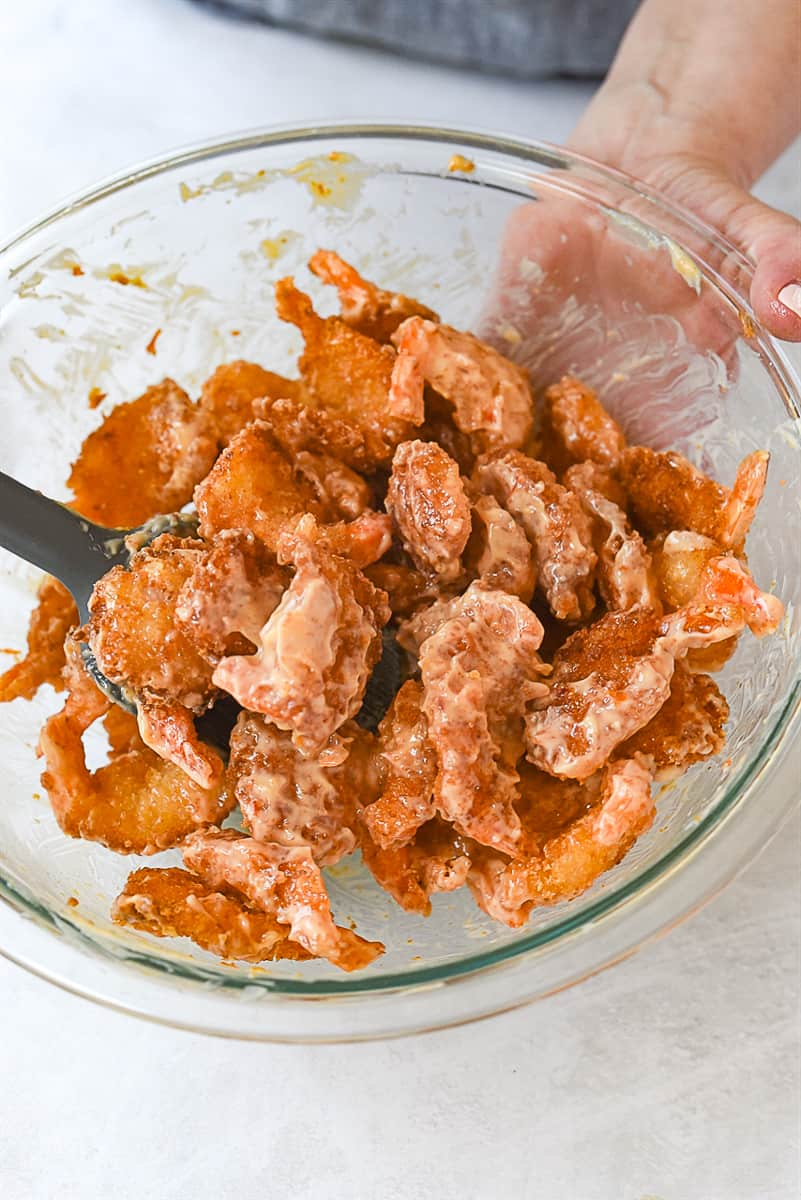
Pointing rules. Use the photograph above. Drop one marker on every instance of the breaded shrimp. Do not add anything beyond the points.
(407, 764)
(427, 502)
(625, 571)
(498, 551)
(479, 669)
(144, 459)
(577, 427)
(283, 882)
(571, 861)
(228, 395)
(667, 492)
(556, 525)
(368, 308)
(253, 486)
(289, 799)
(348, 375)
(317, 649)
(136, 804)
(437, 860)
(490, 395)
(50, 622)
(169, 902)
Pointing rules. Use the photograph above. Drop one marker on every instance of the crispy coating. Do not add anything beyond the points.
(169, 728)
(292, 800)
(625, 574)
(667, 492)
(169, 902)
(407, 589)
(441, 428)
(490, 395)
(498, 551)
(349, 375)
(228, 395)
(479, 669)
(408, 765)
(689, 726)
(133, 632)
(122, 731)
(144, 459)
(253, 486)
(609, 679)
(231, 591)
(283, 882)
(317, 649)
(339, 490)
(438, 860)
(428, 505)
(50, 622)
(300, 427)
(556, 525)
(571, 861)
(407, 395)
(368, 308)
(137, 803)
(577, 427)
(547, 805)
(363, 541)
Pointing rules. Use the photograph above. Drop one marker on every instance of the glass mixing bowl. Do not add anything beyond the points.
(600, 277)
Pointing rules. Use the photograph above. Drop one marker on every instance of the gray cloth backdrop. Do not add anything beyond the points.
(528, 38)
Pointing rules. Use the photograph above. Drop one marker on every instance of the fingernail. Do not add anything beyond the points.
(790, 297)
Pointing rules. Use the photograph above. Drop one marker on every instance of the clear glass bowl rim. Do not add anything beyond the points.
(615, 904)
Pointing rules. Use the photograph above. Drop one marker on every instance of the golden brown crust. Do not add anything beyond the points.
(53, 617)
(145, 458)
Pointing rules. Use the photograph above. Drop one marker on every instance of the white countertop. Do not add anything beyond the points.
(674, 1076)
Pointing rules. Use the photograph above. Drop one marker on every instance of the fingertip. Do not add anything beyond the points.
(776, 293)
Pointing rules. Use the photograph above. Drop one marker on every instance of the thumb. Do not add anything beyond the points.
(770, 239)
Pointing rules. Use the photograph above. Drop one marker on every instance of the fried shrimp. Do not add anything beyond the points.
(253, 486)
(437, 860)
(490, 395)
(479, 669)
(369, 309)
(667, 492)
(53, 617)
(228, 395)
(688, 728)
(556, 525)
(169, 902)
(428, 505)
(144, 459)
(317, 649)
(232, 589)
(570, 862)
(611, 678)
(407, 764)
(348, 374)
(577, 427)
(134, 635)
(292, 800)
(284, 882)
(625, 570)
(498, 551)
(136, 804)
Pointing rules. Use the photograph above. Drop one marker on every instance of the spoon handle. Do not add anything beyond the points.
(52, 537)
